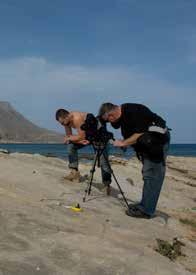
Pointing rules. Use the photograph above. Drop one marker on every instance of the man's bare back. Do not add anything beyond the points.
(77, 119)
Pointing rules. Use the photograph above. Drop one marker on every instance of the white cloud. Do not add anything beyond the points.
(37, 88)
(27, 76)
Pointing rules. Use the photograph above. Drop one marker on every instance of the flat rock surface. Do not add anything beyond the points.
(41, 234)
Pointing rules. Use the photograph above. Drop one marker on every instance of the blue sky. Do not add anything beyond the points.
(77, 54)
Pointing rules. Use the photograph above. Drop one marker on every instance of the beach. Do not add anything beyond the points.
(41, 234)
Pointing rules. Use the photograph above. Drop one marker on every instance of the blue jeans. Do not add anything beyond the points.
(153, 176)
(72, 150)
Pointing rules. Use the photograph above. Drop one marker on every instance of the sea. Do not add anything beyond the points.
(60, 150)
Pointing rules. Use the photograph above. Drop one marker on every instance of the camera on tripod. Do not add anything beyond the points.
(95, 130)
(97, 134)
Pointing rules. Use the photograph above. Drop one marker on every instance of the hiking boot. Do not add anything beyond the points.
(74, 175)
(137, 213)
(134, 206)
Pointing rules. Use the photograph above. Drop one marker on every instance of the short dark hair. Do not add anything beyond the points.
(61, 113)
(106, 107)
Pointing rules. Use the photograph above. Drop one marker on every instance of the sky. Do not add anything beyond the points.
(78, 54)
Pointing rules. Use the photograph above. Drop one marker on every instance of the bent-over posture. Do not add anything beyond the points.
(72, 120)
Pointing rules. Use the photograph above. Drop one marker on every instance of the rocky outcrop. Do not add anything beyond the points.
(40, 233)
(14, 127)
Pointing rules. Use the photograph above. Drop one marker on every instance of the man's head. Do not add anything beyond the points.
(110, 112)
(62, 116)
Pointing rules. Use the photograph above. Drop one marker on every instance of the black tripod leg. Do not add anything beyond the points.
(88, 189)
(122, 193)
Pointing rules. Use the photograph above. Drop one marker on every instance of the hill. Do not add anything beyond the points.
(14, 127)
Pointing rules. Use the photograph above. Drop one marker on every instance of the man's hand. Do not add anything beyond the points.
(118, 143)
(66, 139)
(129, 141)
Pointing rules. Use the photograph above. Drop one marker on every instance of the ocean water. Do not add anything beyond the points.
(60, 150)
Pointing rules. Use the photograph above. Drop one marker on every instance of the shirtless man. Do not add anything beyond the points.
(74, 120)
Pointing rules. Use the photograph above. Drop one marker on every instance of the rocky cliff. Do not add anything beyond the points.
(14, 127)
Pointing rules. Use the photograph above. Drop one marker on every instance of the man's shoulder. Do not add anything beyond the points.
(133, 107)
(77, 114)
(78, 118)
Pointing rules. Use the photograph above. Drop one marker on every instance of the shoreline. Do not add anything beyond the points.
(59, 150)
(86, 156)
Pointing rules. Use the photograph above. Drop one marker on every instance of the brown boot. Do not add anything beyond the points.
(74, 175)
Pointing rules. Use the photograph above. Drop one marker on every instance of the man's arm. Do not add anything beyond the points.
(79, 137)
(68, 131)
(129, 141)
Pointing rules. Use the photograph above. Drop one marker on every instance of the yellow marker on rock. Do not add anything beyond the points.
(76, 208)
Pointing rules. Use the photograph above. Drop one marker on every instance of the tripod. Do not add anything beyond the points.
(99, 148)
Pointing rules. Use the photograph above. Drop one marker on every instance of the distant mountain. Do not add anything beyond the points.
(14, 127)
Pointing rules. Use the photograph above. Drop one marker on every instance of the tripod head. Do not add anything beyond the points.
(99, 145)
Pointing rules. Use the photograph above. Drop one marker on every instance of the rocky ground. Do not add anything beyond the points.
(41, 234)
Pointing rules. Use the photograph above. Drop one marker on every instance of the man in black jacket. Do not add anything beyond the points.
(147, 133)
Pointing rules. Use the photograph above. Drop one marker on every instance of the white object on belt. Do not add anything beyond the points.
(157, 129)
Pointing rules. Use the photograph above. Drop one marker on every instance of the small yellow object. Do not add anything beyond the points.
(76, 208)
